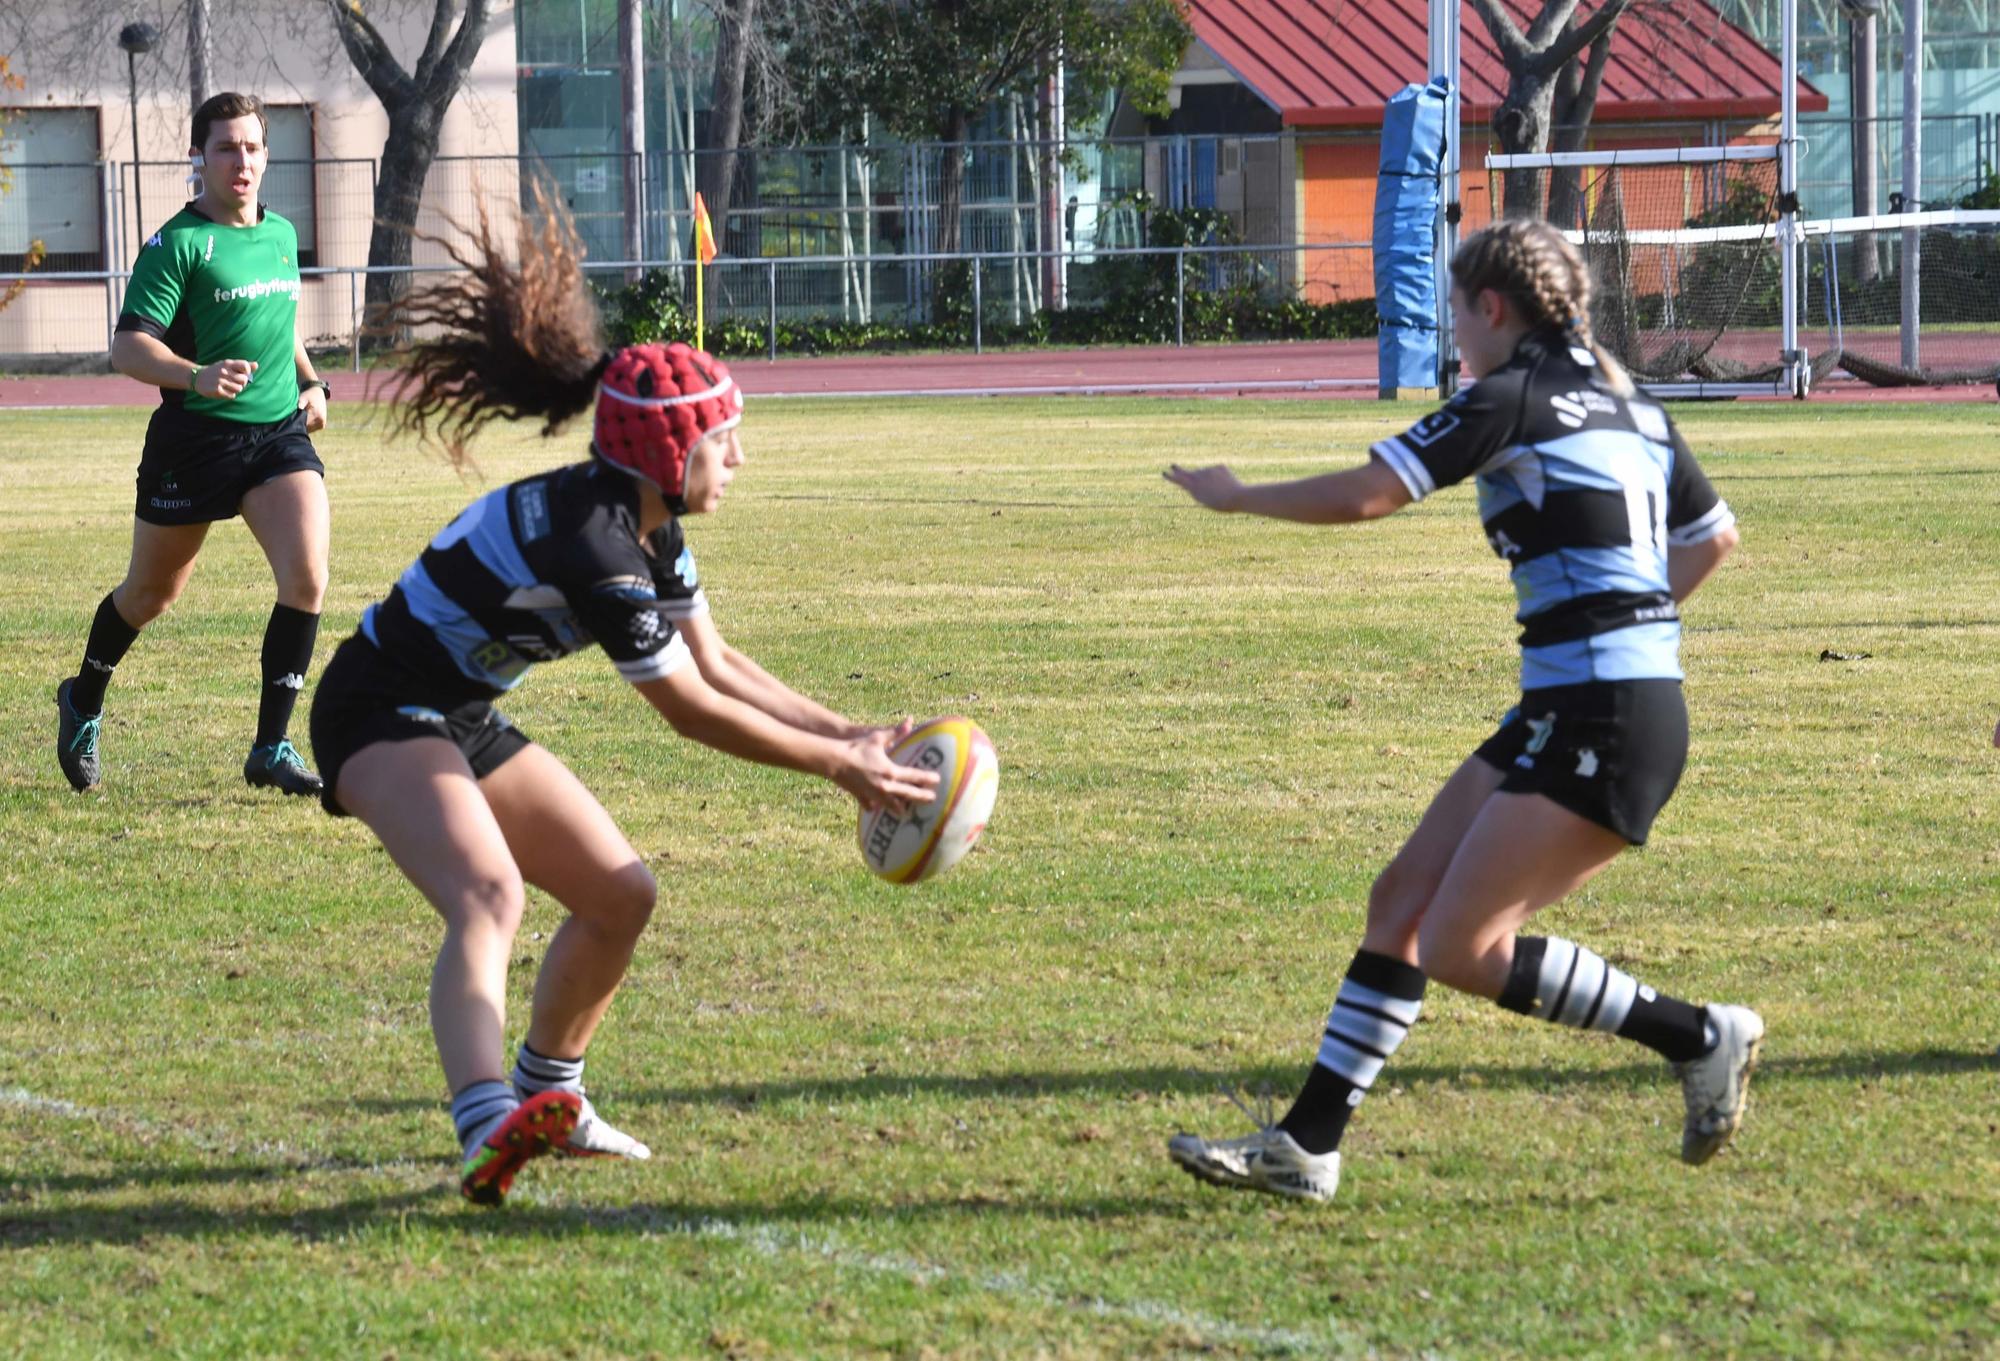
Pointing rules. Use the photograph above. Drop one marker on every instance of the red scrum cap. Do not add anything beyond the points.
(655, 403)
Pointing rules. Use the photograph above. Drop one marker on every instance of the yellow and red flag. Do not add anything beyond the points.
(704, 234)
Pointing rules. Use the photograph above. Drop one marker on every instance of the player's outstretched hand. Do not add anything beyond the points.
(1215, 487)
(876, 781)
(225, 378)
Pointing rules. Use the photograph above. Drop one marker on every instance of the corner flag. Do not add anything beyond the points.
(704, 254)
(704, 234)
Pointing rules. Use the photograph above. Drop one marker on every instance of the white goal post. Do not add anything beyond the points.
(1796, 374)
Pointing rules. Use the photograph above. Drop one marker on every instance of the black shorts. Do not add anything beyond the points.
(196, 468)
(362, 700)
(1610, 751)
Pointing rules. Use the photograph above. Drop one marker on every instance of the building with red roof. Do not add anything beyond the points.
(1319, 74)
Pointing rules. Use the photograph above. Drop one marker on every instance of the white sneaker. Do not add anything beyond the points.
(1268, 1160)
(596, 1137)
(1716, 1086)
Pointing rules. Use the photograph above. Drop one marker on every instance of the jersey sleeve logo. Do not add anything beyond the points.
(684, 568)
(1432, 428)
(649, 628)
(531, 511)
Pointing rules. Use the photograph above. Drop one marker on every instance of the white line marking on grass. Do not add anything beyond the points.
(775, 1241)
(122, 1122)
(770, 1240)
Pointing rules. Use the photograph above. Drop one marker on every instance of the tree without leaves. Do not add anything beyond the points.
(1544, 64)
(200, 53)
(415, 100)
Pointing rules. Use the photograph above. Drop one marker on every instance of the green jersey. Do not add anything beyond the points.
(219, 292)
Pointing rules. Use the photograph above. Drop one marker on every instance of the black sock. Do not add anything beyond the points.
(1378, 1003)
(110, 637)
(1675, 1030)
(1568, 984)
(288, 650)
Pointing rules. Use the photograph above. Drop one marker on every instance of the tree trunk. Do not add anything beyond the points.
(956, 128)
(1576, 104)
(406, 162)
(1521, 124)
(716, 175)
(632, 89)
(200, 52)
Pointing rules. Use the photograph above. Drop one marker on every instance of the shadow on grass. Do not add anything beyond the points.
(784, 1224)
(1280, 1079)
(778, 1224)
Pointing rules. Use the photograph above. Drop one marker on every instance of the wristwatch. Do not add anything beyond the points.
(319, 383)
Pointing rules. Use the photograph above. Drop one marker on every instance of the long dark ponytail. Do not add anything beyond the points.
(509, 340)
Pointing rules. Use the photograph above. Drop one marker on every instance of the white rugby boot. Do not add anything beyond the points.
(1268, 1160)
(596, 1137)
(1716, 1086)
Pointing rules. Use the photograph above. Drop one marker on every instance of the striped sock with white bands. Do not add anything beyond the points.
(1363, 1030)
(538, 1073)
(477, 1108)
(1568, 984)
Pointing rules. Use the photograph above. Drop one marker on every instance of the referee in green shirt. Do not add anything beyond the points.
(211, 319)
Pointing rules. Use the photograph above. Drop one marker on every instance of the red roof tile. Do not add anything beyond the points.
(1335, 63)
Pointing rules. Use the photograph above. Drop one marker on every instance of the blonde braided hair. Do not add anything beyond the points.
(1543, 278)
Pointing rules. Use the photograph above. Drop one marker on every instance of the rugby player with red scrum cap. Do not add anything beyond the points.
(404, 725)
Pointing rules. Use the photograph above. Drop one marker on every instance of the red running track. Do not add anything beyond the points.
(1323, 369)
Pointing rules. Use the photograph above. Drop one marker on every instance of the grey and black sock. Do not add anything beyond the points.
(480, 1106)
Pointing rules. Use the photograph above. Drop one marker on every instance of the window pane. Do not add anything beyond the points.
(288, 182)
(51, 155)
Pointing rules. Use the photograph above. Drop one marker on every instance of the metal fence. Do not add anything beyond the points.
(73, 312)
(845, 232)
(874, 200)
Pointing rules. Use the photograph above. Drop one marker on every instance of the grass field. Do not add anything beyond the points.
(931, 1122)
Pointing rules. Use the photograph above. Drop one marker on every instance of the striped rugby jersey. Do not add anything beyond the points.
(536, 570)
(1581, 491)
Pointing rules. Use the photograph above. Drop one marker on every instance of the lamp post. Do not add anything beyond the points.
(136, 38)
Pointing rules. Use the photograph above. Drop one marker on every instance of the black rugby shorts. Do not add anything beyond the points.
(196, 468)
(1609, 751)
(362, 700)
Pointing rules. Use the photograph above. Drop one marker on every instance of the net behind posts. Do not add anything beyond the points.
(1856, 285)
(1683, 256)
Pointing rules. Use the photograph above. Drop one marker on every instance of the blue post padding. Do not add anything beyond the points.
(1406, 207)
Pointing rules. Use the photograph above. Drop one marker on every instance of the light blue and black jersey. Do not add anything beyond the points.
(1582, 491)
(534, 571)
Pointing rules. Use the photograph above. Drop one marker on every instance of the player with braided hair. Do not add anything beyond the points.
(403, 722)
(1606, 522)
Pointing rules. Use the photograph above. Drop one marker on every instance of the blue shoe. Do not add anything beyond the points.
(76, 742)
(278, 765)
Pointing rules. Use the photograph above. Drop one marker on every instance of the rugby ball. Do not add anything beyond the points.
(931, 838)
